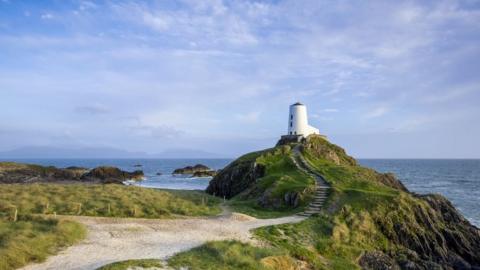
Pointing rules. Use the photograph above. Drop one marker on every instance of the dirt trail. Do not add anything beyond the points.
(112, 239)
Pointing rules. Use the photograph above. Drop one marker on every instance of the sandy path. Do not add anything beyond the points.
(110, 240)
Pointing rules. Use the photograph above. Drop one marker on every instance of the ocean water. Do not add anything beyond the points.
(458, 180)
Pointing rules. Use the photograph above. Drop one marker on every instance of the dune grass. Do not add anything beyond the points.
(27, 235)
(33, 238)
(129, 264)
(104, 200)
(228, 255)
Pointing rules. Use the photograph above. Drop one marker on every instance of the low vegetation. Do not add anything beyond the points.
(29, 233)
(230, 255)
(103, 200)
(33, 238)
(129, 264)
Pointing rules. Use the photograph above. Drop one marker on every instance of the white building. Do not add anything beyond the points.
(298, 121)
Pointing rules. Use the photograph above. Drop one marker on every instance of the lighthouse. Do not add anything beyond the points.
(298, 127)
(298, 121)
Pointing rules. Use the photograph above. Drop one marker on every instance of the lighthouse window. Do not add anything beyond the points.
(291, 124)
(291, 116)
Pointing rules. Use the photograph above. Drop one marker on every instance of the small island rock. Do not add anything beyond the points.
(192, 169)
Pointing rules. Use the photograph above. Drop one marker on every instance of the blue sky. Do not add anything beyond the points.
(380, 78)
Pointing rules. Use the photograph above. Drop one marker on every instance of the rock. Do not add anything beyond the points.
(204, 173)
(377, 260)
(192, 169)
(108, 174)
(11, 172)
(76, 172)
(137, 165)
(433, 234)
(390, 180)
(292, 198)
(238, 176)
(158, 173)
(267, 200)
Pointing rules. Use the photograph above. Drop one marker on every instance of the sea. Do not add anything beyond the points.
(456, 179)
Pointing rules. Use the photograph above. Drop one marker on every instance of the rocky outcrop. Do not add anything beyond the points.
(192, 169)
(389, 179)
(204, 173)
(290, 199)
(236, 177)
(429, 234)
(112, 175)
(11, 172)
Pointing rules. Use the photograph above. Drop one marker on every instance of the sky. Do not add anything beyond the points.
(383, 79)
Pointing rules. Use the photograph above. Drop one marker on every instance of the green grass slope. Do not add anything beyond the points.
(370, 221)
(32, 239)
(264, 184)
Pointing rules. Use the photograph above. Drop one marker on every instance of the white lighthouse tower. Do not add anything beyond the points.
(298, 121)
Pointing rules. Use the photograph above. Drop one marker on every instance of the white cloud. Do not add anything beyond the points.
(377, 112)
(158, 22)
(46, 16)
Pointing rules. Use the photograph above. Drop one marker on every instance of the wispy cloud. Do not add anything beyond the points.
(377, 112)
(46, 16)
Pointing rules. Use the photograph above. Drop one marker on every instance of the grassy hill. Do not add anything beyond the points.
(370, 220)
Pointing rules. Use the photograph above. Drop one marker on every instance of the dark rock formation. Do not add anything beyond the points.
(434, 236)
(267, 200)
(389, 179)
(377, 260)
(112, 175)
(192, 169)
(204, 173)
(137, 165)
(236, 177)
(158, 173)
(11, 172)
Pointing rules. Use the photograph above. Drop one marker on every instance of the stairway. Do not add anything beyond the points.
(321, 186)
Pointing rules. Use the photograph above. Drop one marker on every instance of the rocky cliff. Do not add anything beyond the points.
(237, 177)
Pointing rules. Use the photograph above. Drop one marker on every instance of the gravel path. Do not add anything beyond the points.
(110, 239)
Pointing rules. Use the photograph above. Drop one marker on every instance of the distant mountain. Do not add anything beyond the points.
(100, 152)
(57, 152)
